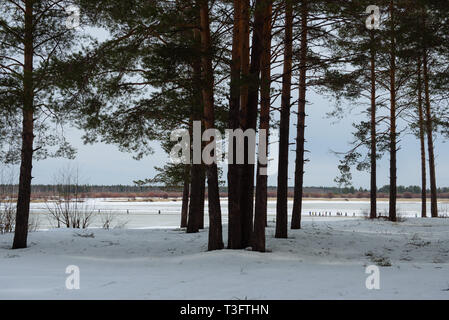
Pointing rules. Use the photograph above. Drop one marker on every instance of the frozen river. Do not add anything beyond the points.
(146, 214)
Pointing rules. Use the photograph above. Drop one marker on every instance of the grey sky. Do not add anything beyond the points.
(104, 164)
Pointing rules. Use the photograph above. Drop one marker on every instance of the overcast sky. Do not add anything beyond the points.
(104, 164)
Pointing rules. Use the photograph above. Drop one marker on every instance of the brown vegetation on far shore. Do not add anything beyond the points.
(174, 195)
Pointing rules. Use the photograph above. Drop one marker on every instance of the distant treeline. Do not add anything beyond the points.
(112, 191)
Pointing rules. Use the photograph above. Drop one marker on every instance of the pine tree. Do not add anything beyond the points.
(422, 141)
(32, 33)
(284, 132)
(356, 46)
(242, 175)
(300, 138)
(234, 213)
(260, 213)
(215, 227)
(426, 40)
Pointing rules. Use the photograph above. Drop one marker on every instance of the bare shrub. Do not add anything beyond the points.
(67, 207)
(7, 217)
(443, 211)
(106, 219)
(70, 213)
(33, 223)
(110, 220)
(8, 203)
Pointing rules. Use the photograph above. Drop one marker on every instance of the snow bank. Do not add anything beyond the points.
(327, 259)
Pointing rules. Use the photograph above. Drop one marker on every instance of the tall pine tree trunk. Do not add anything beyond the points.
(187, 174)
(215, 226)
(249, 117)
(203, 197)
(260, 214)
(23, 200)
(185, 196)
(245, 59)
(422, 145)
(234, 215)
(300, 137)
(430, 147)
(373, 153)
(393, 145)
(284, 127)
(196, 205)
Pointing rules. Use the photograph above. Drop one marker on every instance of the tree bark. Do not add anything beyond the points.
(26, 166)
(373, 154)
(300, 137)
(393, 147)
(193, 222)
(234, 215)
(185, 196)
(260, 215)
(196, 205)
(430, 147)
(249, 121)
(215, 226)
(203, 197)
(422, 145)
(284, 128)
(245, 59)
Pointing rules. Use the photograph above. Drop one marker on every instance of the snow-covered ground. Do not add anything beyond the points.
(327, 259)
